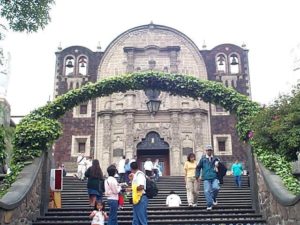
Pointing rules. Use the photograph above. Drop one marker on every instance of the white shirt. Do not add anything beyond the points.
(139, 178)
(173, 200)
(148, 165)
(210, 158)
(132, 160)
(98, 218)
(81, 160)
(121, 166)
(156, 166)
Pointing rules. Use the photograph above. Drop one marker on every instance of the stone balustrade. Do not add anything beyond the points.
(22, 203)
(277, 204)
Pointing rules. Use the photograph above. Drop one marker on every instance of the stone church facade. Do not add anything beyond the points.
(107, 128)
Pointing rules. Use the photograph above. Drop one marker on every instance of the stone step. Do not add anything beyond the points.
(234, 206)
(158, 217)
(245, 221)
(169, 210)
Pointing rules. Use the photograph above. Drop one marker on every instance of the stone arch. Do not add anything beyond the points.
(155, 139)
(153, 146)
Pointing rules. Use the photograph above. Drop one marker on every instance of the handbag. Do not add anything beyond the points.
(101, 185)
(121, 200)
(136, 195)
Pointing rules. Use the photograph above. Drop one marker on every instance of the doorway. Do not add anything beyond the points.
(154, 147)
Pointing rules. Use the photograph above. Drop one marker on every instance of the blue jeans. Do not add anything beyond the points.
(140, 212)
(113, 210)
(238, 181)
(211, 190)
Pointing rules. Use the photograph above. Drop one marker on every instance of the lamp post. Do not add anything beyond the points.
(153, 103)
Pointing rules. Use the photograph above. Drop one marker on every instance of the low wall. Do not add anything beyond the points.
(21, 204)
(278, 206)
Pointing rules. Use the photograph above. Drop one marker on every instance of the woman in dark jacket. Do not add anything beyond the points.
(95, 176)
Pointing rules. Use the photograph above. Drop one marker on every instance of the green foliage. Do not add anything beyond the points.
(39, 129)
(278, 164)
(277, 137)
(2, 145)
(277, 127)
(26, 15)
(36, 133)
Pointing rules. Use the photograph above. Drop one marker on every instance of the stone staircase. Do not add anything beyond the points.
(234, 206)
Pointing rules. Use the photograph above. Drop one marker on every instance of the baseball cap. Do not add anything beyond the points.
(208, 147)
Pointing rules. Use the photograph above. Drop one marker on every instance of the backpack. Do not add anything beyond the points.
(221, 172)
(151, 188)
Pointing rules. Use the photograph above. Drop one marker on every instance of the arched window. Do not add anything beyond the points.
(221, 63)
(82, 65)
(69, 65)
(234, 63)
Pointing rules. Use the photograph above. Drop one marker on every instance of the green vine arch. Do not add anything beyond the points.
(38, 130)
(182, 85)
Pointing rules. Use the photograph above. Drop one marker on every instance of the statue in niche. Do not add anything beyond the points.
(152, 64)
(187, 142)
(118, 143)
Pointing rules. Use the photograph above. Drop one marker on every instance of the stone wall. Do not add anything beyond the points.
(277, 205)
(21, 204)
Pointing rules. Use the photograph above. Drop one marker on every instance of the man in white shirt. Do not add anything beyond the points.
(81, 166)
(139, 209)
(173, 200)
(148, 167)
(121, 169)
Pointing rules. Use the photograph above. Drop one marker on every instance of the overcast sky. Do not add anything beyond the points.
(270, 29)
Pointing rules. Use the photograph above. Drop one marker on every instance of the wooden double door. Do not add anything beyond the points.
(154, 147)
(161, 154)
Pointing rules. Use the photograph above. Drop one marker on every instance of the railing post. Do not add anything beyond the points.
(253, 179)
(45, 182)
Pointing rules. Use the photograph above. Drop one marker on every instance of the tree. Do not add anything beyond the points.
(277, 127)
(25, 15)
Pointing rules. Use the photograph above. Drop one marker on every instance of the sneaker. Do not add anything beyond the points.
(190, 205)
(215, 202)
(209, 208)
(194, 205)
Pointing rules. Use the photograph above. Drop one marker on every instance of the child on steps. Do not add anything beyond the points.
(98, 215)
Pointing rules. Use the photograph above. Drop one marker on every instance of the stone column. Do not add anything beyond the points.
(175, 165)
(106, 144)
(198, 139)
(205, 129)
(129, 131)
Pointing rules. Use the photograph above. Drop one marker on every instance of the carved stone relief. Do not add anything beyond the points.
(129, 131)
(118, 143)
(175, 129)
(186, 119)
(107, 132)
(118, 120)
(142, 129)
(187, 142)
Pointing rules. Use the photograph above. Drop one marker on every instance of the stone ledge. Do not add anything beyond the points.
(19, 189)
(277, 188)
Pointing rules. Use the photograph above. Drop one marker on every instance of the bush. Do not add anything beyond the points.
(276, 137)
(277, 127)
